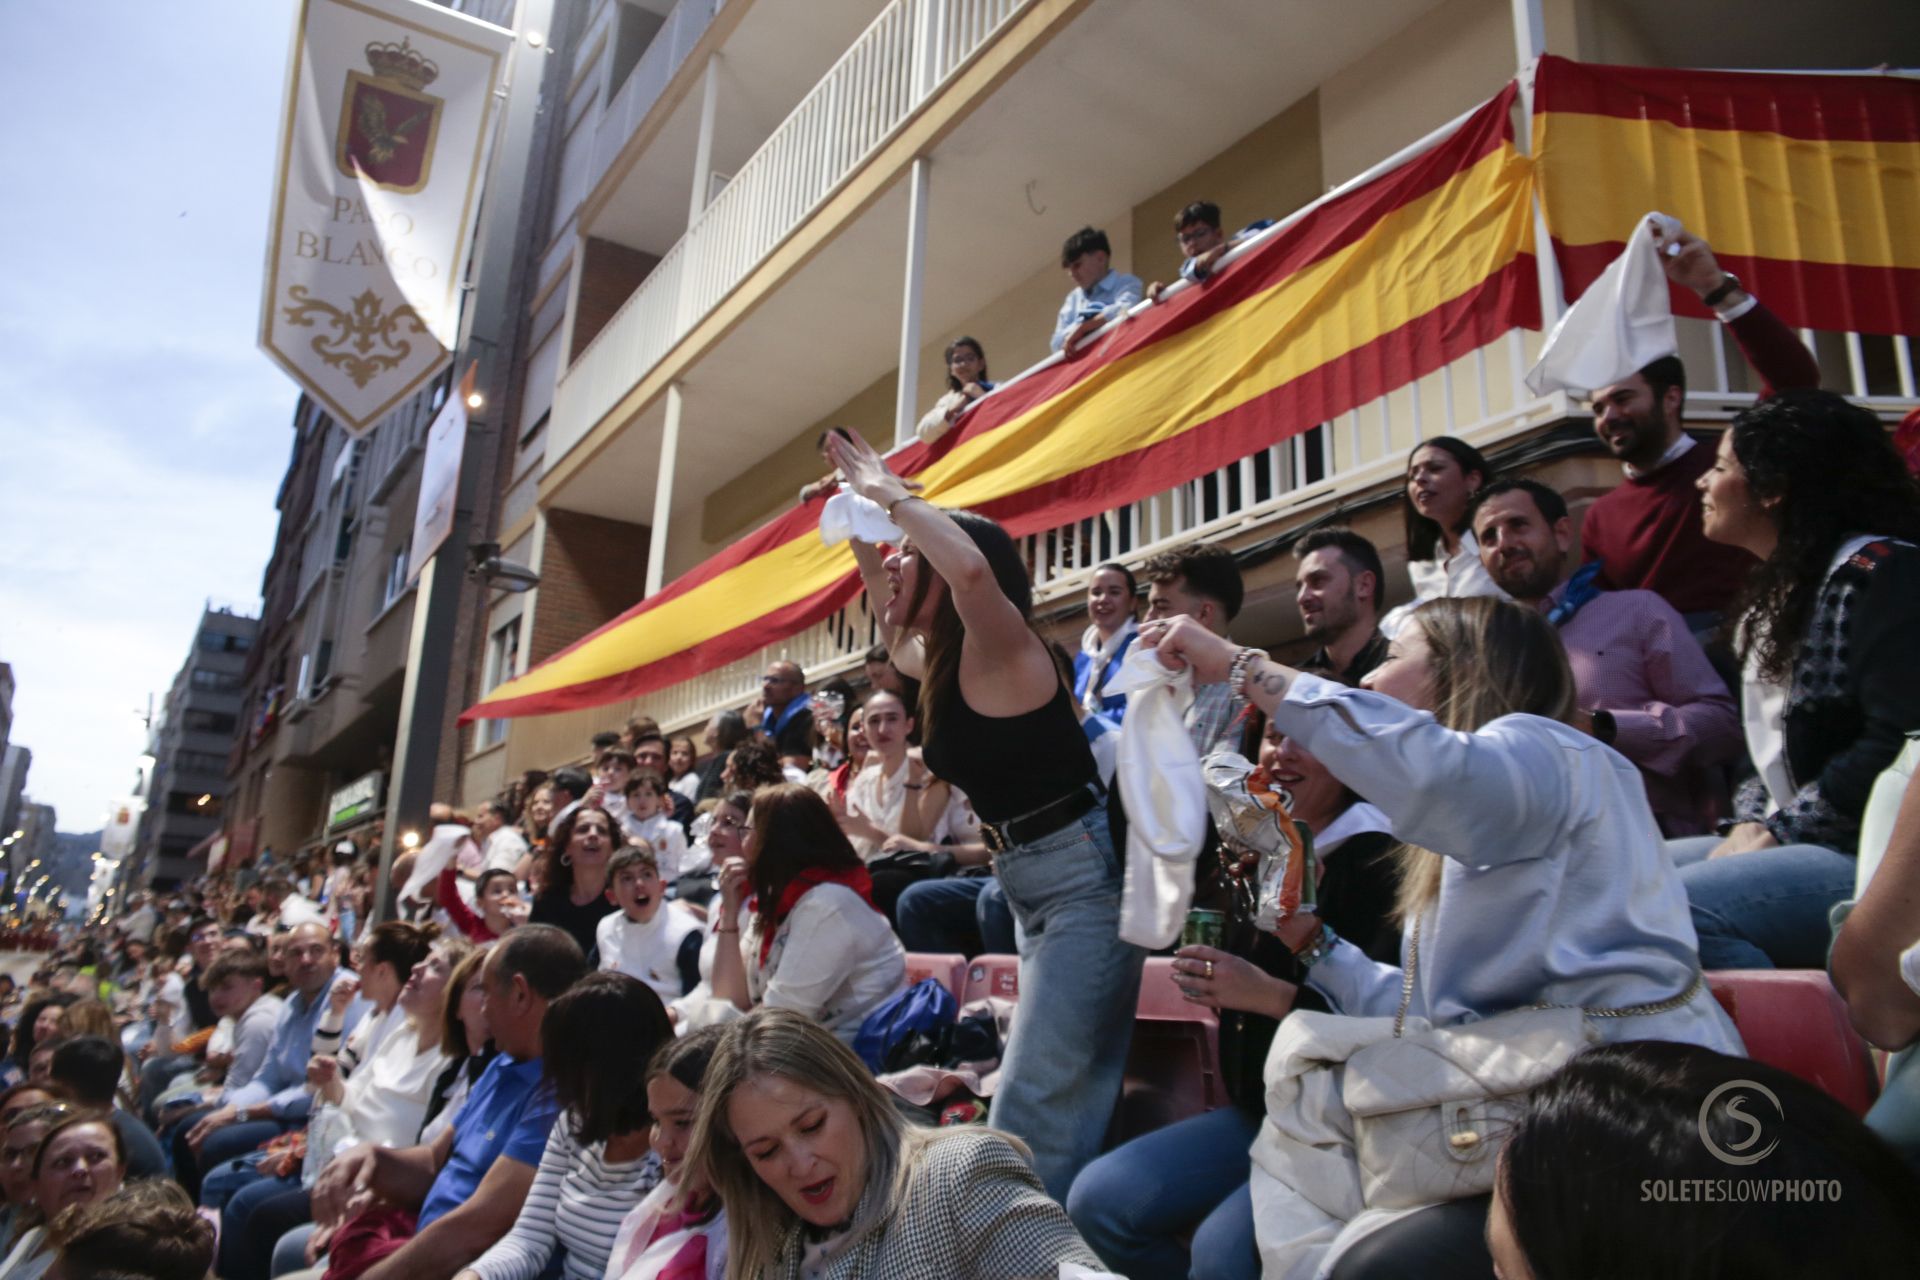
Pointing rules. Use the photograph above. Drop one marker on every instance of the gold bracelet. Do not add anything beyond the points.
(905, 497)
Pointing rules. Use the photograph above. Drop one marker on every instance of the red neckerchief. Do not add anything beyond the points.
(855, 879)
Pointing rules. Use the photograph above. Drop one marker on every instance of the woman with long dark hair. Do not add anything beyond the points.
(812, 939)
(998, 722)
(1443, 559)
(1825, 630)
(573, 893)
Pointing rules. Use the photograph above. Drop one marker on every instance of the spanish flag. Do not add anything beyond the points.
(1380, 285)
(1807, 186)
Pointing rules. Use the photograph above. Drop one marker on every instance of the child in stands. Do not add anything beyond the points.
(651, 939)
(649, 817)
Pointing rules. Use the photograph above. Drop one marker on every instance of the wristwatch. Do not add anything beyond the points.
(1604, 728)
(1729, 282)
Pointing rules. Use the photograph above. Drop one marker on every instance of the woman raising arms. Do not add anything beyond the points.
(998, 723)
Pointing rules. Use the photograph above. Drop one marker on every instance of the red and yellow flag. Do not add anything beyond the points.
(1368, 291)
(1807, 186)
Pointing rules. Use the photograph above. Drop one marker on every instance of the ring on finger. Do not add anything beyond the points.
(1209, 971)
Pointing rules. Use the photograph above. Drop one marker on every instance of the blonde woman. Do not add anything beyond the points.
(822, 1177)
(1534, 870)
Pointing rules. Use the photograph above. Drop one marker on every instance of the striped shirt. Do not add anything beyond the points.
(577, 1202)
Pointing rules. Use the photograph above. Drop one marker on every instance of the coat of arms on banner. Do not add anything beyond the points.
(387, 122)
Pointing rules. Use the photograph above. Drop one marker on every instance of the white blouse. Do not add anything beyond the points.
(1456, 575)
(834, 958)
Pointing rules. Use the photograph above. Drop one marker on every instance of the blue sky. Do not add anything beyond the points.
(142, 432)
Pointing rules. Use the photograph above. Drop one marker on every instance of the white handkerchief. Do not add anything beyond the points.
(1621, 324)
(848, 515)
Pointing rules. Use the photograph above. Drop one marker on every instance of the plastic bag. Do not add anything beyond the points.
(1255, 818)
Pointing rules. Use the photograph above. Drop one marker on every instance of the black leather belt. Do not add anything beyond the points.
(1047, 819)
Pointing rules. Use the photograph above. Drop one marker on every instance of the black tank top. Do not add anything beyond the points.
(1011, 765)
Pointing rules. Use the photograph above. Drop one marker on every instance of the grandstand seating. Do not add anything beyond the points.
(1790, 1019)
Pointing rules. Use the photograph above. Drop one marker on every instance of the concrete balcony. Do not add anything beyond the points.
(892, 69)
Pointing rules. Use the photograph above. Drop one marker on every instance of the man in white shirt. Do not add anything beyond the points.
(501, 844)
(287, 907)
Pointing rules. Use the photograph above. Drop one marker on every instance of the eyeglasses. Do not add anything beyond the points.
(1198, 231)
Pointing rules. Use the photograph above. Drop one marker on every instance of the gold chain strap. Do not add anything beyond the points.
(1627, 1011)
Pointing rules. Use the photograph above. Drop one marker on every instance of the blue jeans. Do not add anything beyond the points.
(255, 1218)
(1079, 990)
(959, 915)
(290, 1254)
(1766, 909)
(1135, 1204)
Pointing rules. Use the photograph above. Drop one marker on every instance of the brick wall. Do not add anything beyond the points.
(591, 570)
(609, 273)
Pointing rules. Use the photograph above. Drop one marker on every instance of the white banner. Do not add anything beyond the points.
(122, 825)
(389, 116)
(440, 477)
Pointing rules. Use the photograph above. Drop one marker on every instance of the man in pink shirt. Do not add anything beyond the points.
(1645, 686)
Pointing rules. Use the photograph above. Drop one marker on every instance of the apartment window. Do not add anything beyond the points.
(503, 662)
(396, 581)
(199, 762)
(223, 642)
(197, 804)
(219, 681)
(197, 721)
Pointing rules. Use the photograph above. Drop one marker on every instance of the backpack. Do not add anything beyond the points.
(920, 1015)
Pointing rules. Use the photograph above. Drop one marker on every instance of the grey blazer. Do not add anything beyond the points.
(974, 1209)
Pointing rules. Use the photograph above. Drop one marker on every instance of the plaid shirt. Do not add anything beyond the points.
(974, 1208)
(1214, 720)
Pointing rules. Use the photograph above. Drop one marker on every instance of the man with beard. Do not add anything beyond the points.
(1645, 686)
(1338, 594)
(1646, 533)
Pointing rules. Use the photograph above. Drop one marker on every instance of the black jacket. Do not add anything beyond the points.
(1853, 699)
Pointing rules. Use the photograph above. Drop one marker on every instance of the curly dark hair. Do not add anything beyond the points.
(559, 870)
(1826, 469)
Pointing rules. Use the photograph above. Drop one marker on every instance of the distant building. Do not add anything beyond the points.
(192, 740)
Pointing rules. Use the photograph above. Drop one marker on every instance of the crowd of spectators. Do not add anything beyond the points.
(619, 1026)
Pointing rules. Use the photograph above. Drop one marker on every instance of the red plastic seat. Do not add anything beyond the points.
(950, 971)
(1793, 1019)
(1173, 1066)
(992, 975)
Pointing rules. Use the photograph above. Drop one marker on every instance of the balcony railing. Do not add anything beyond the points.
(1480, 398)
(895, 66)
(648, 79)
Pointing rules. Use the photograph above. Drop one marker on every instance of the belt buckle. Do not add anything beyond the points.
(993, 838)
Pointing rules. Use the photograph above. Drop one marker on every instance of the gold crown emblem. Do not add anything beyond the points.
(402, 63)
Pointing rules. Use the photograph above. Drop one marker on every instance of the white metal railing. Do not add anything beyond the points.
(647, 80)
(1481, 398)
(896, 65)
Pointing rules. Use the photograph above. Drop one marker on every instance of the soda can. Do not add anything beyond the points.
(1204, 928)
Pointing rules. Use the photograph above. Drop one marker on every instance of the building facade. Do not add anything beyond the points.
(191, 739)
(767, 219)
